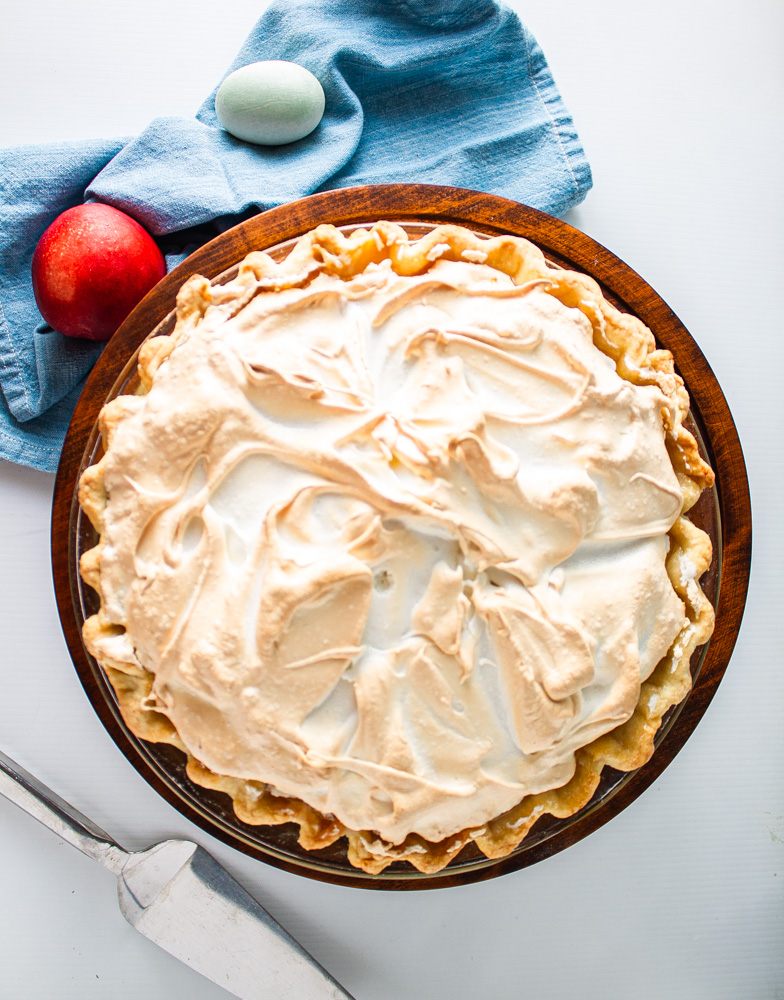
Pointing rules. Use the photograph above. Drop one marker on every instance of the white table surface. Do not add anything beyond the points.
(679, 105)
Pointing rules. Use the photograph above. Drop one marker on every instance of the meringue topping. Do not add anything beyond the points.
(393, 545)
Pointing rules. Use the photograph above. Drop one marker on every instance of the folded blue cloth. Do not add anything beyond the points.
(438, 91)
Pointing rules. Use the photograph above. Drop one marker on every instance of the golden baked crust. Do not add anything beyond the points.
(621, 337)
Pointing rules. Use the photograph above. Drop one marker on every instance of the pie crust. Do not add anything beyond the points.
(617, 335)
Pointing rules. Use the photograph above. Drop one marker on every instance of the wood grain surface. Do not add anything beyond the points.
(724, 512)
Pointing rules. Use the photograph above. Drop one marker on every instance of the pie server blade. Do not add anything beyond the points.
(178, 896)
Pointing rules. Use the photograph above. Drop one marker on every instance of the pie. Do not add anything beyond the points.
(393, 541)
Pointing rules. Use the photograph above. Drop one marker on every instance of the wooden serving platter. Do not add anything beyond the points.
(724, 512)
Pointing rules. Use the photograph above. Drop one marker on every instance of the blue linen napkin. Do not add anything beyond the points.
(438, 91)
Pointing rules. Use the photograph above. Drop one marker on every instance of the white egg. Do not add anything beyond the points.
(270, 103)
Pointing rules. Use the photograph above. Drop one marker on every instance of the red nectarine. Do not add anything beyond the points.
(91, 267)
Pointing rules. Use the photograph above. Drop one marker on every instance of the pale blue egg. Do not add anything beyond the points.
(270, 103)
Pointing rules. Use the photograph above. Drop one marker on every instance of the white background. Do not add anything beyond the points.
(679, 105)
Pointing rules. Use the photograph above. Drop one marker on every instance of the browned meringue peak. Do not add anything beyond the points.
(393, 545)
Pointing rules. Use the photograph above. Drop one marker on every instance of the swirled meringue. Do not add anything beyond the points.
(393, 545)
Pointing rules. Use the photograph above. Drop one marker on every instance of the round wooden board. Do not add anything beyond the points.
(727, 509)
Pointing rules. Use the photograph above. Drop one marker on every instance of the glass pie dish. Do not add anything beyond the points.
(722, 512)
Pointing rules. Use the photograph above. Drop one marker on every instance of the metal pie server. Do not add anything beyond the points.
(178, 896)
